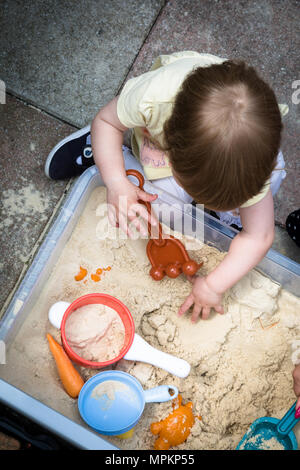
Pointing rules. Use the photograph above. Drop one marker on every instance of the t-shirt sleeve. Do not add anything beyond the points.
(132, 108)
(258, 197)
(147, 100)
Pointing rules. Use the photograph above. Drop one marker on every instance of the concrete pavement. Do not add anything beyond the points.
(62, 60)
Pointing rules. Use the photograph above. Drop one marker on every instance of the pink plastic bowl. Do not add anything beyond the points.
(111, 302)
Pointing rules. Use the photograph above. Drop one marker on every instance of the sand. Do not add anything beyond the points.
(241, 366)
(258, 443)
(106, 391)
(95, 332)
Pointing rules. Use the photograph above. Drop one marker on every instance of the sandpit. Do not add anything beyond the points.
(241, 365)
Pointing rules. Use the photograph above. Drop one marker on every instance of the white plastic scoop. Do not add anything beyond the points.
(140, 350)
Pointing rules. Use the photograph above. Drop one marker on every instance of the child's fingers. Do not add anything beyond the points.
(140, 210)
(219, 309)
(186, 305)
(134, 220)
(112, 218)
(196, 312)
(147, 197)
(205, 313)
(139, 226)
(123, 225)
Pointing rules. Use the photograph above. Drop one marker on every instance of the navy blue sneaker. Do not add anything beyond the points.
(293, 226)
(71, 156)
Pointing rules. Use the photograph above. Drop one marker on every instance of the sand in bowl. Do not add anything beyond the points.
(95, 332)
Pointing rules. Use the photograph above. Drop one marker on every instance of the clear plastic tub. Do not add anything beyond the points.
(278, 267)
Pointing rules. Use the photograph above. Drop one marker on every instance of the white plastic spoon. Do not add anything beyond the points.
(140, 350)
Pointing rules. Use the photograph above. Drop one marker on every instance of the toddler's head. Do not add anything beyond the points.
(223, 135)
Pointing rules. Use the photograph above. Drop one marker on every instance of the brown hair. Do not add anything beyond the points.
(223, 134)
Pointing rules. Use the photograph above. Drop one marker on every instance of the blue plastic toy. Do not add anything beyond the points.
(112, 402)
(263, 430)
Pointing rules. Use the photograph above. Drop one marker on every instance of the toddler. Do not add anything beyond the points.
(203, 128)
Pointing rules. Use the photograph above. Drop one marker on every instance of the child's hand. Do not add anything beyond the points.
(296, 377)
(203, 298)
(123, 206)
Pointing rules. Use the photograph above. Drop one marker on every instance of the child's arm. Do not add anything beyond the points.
(107, 139)
(249, 247)
(296, 378)
(245, 252)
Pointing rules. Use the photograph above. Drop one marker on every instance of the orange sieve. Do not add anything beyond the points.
(109, 301)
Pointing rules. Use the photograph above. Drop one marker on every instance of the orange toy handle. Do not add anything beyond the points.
(139, 177)
(141, 181)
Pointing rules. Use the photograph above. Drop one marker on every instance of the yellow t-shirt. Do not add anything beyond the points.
(146, 102)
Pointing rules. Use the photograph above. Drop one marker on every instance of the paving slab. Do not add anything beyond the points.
(27, 197)
(264, 33)
(27, 135)
(69, 58)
